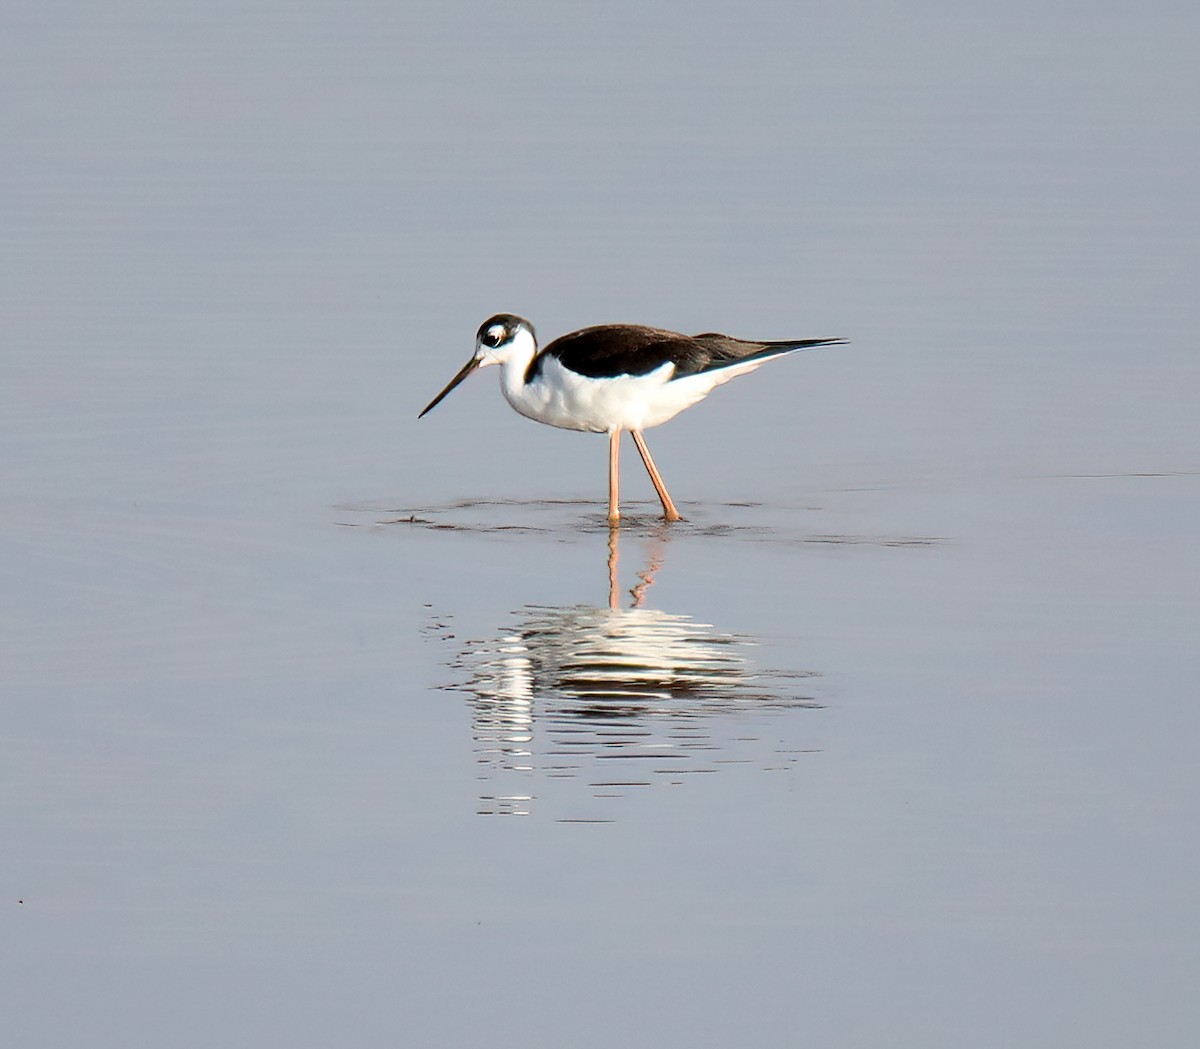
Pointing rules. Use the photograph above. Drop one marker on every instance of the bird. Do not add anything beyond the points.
(610, 378)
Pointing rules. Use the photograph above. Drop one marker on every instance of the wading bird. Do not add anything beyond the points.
(614, 377)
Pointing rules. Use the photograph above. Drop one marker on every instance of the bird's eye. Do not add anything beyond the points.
(494, 336)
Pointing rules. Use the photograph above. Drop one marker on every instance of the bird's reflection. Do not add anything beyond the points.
(619, 696)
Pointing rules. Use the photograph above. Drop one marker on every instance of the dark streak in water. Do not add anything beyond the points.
(470, 517)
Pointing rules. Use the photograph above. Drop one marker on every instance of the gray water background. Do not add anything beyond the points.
(292, 752)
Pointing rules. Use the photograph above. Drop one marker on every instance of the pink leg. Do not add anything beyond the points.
(614, 467)
(669, 511)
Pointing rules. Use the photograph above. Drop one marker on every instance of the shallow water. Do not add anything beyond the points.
(323, 725)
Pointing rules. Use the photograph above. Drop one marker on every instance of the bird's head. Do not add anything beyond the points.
(502, 338)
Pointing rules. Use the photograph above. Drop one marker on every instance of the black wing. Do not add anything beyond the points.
(610, 350)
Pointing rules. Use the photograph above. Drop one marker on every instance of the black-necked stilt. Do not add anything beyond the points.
(614, 377)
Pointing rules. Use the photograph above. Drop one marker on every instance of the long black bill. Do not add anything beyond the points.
(469, 367)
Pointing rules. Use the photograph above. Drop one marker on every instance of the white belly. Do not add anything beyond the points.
(562, 398)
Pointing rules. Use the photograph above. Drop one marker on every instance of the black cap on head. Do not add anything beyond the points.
(497, 330)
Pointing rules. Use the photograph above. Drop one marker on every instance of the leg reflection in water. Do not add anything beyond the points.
(654, 561)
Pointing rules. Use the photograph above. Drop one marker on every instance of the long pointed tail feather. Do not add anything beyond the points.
(728, 356)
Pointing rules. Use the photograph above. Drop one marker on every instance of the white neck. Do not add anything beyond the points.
(513, 358)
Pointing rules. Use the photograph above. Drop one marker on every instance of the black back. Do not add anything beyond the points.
(609, 350)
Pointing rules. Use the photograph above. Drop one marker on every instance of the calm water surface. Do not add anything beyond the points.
(323, 726)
